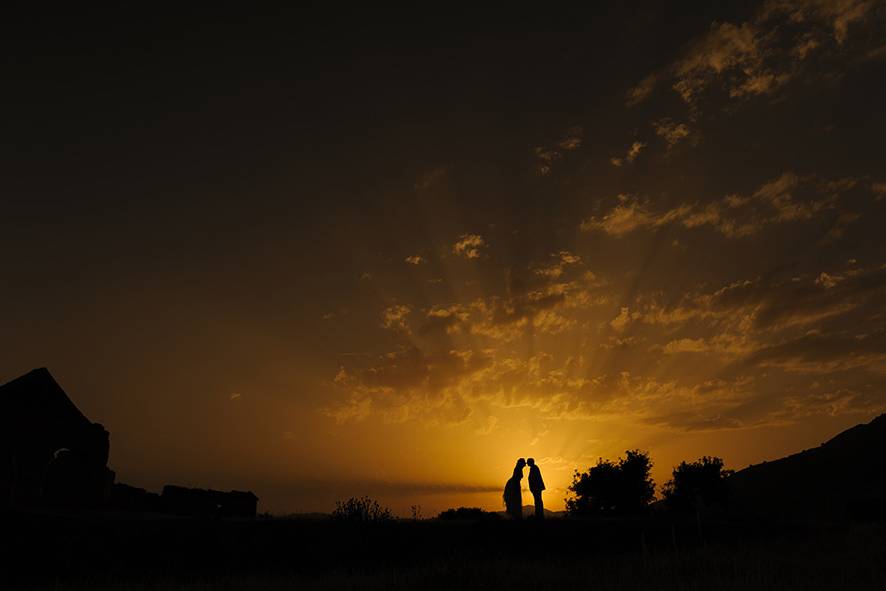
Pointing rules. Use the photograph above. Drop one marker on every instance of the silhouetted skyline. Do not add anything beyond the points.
(313, 256)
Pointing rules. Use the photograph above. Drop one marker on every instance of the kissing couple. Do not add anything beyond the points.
(513, 494)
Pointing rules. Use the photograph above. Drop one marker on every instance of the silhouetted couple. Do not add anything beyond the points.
(514, 491)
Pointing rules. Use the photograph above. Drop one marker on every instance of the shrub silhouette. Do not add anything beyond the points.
(696, 485)
(467, 514)
(361, 509)
(623, 487)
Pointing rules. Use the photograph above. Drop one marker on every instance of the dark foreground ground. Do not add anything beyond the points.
(90, 552)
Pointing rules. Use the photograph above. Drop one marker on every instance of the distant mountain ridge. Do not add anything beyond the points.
(529, 511)
(843, 478)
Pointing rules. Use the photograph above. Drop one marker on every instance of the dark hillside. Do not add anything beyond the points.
(844, 478)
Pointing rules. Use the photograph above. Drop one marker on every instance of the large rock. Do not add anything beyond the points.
(51, 453)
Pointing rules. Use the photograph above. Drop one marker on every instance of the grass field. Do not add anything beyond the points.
(167, 554)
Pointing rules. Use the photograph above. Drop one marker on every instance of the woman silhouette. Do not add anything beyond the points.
(513, 494)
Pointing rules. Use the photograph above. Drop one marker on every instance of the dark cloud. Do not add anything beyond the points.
(454, 254)
(546, 156)
(820, 352)
(788, 198)
(762, 55)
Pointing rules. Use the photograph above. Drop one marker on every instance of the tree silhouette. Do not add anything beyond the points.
(623, 487)
(698, 484)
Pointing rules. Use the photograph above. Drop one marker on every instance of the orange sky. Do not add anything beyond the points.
(318, 264)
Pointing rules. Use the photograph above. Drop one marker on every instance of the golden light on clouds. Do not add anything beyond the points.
(502, 249)
(469, 246)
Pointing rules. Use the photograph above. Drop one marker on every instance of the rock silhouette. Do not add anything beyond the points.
(51, 453)
(53, 456)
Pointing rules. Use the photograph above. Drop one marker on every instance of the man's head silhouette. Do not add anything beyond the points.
(531, 461)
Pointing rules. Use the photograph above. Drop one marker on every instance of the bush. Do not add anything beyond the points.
(699, 484)
(623, 487)
(361, 509)
(467, 514)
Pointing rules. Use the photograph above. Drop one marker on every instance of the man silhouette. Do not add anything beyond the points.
(536, 485)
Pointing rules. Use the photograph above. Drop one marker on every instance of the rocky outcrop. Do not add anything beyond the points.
(51, 453)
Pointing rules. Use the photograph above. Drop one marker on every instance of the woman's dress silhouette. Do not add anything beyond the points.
(513, 494)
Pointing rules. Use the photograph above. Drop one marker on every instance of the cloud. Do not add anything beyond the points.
(747, 312)
(475, 386)
(832, 403)
(621, 321)
(543, 307)
(461, 386)
(415, 259)
(408, 384)
(787, 198)
(739, 403)
(828, 281)
(758, 336)
(686, 346)
(819, 352)
(538, 302)
(469, 246)
(759, 56)
(631, 213)
(634, 151)
(572, 139)
(625, 217)
(395, 318)
(450, 319)
(631, 155)
(507, 318)
(718, 404)
(837, 15)
(670, 131)
(411, 385)
(725, 48)
(545, 156)
(725, 344)
(779, 193)
(879, 190)
(551, 322)
(698, 420)
(490, 426)
(749, 409)
(554, 270)
(641, 91)
(568, 258)
(838, 229)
